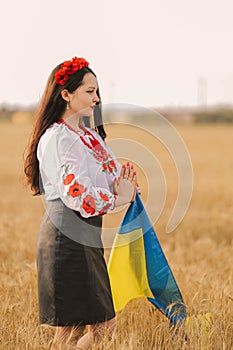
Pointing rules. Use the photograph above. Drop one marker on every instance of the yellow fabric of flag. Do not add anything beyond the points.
(127, 269)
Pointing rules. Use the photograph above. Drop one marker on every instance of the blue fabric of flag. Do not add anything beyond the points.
(167, 296)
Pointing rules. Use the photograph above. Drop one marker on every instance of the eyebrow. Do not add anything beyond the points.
(93, 87)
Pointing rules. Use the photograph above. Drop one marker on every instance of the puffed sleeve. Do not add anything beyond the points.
(73, 181)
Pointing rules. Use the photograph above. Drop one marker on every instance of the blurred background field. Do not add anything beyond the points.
(199, 250)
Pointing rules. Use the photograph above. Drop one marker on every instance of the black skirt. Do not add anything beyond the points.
(73, 282)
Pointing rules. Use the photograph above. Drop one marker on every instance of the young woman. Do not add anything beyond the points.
(81, 180)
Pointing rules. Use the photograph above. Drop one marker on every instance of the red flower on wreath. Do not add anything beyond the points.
(68, 179)
(76, 190)
(68, 68)
(89, 204)
(104, 197)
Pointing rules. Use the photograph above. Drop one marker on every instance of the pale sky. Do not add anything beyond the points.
(149, 52)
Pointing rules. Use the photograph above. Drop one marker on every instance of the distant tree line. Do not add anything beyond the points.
(219, 115)
(6, 114)
(11, 114)
(211, 115)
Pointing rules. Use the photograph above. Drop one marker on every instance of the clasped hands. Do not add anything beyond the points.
(125, 186)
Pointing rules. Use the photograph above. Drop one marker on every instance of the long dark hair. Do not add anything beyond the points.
(51, 109)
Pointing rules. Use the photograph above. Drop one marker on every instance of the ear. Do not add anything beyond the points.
(65, 95)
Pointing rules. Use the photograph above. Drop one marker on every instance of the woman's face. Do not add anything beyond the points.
(84, 98)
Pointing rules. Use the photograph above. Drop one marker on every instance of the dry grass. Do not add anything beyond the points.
(199, 250)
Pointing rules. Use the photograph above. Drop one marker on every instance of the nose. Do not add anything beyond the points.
(96, 98)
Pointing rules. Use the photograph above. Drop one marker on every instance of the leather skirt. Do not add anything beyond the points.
(73, 282)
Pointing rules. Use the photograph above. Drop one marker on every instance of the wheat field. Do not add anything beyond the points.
(199, 251)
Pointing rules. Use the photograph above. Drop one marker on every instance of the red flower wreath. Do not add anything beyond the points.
(68, 68)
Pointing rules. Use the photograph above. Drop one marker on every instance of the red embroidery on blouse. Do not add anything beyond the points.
(105, 209)
(89, 204)
(104, 197)
(76, 190)
(98, 151)
(68, 179)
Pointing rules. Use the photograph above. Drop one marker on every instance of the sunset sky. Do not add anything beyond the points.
(151, 52)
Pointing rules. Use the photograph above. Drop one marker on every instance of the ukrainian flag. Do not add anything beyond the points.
(138, 267)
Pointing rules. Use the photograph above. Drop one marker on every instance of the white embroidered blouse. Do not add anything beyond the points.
(79, 169)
